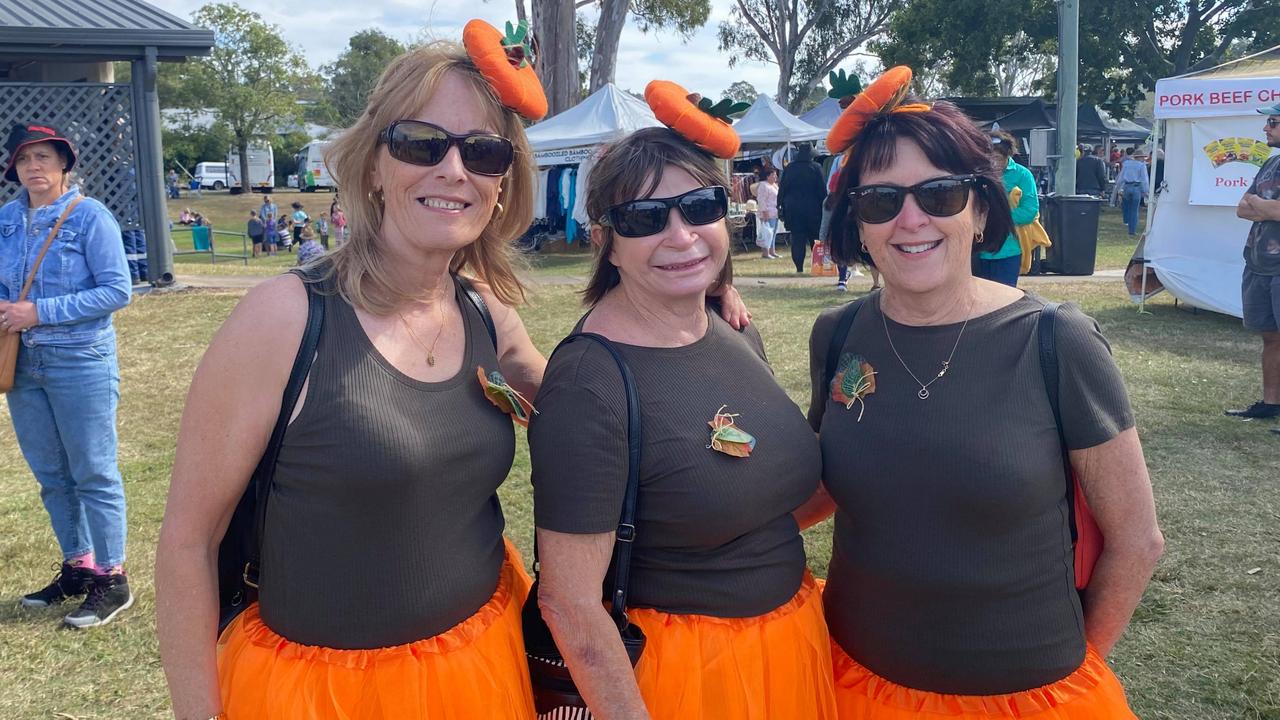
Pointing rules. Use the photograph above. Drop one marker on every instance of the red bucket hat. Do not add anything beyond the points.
(24, 134)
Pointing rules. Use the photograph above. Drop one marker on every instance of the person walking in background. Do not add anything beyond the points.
(1003, 263)
(767, 197)
(339, 223)
(269, 213)
(800, 197)
(1260, 286)
(322, 229)
(173, 184)
(297, 221)
(1132, 186)
(256, 231)
(1091, 174)
(66, 387)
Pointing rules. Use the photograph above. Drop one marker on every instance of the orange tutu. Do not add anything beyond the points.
(1092, 692)
(775, 666)
(474, 671)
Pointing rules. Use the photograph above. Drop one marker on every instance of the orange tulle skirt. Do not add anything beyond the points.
(474, 671)
(775, 666)
(1092, 692)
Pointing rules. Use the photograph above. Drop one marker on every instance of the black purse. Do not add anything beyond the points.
(553, 687)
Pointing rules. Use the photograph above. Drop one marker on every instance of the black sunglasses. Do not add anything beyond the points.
(939, 197)
(641, 218)
(1272, 122)
(421, 143)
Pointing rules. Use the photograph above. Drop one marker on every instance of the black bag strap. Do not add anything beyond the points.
(1045, 335)
(626, 534)
(481, 306)
(266, 470)
(847, 315)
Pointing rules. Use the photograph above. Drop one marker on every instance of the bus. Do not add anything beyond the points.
(312, 173)
(262, 169)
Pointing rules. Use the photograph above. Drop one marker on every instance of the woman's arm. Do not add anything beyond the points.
(569, 595)
(1114, 478)
(104, 255)
(814, 510)
(230, 411)
(1029, 205)
(518, 359)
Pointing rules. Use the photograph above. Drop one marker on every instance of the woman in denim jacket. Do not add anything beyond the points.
(66, 387)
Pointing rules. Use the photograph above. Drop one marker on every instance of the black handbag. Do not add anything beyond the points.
(239, 553)
(553, 687)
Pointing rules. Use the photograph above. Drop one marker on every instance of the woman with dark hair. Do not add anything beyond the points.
(952, 584)
(800, 196)
(62, 275)
(717, 576)
(1003, 262)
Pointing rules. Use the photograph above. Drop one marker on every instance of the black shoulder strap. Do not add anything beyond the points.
(266, 470)
(847, 315)
(481, 307)
(1045, 336)
(626, 534)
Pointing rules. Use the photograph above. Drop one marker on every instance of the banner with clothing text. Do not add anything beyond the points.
(1226, 154)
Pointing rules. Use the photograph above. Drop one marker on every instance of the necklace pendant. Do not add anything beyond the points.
(431, 360)
(923, 394)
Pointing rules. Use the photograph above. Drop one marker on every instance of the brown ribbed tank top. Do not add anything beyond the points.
(384, 525)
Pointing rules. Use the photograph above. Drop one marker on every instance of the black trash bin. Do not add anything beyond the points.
(1072, 224)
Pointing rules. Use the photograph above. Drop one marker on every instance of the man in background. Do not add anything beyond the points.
(1091, 173)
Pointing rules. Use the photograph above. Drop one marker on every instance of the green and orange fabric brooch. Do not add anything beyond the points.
(854, 380)
(885, 95)
(507, 62)
(506, 398)
(727, 437)
(697, 119)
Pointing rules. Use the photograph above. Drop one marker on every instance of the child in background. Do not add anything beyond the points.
(309, 249)
(340, 224)
(322, 229)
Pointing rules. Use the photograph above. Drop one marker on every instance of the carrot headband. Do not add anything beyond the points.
(885, 95)
(506, 61)
(695, 118)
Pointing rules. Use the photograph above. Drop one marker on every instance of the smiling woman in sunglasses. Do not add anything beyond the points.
(952, 590)
(718, 584)
(386, 588)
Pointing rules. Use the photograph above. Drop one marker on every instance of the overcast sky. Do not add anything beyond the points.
(320, 29)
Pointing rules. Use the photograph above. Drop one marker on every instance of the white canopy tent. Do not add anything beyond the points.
(1194, 240)
(572, 136)
(769, 122)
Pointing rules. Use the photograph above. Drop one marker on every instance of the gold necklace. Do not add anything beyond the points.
(923, 394)
(431, 351)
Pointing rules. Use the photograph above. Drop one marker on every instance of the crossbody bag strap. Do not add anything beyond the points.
(266, 470)
(481, 307)
(838, 337)
(626, 534)
(1045, 337)
(26, 286)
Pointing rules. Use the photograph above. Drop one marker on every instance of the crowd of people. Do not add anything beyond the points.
(672, 474)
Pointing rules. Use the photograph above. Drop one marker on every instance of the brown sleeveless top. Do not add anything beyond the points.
(383, 525)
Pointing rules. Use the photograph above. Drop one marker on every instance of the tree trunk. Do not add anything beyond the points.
(785, 69)
(520, 13)
(553, 22)
(242, 142)
(604, 57)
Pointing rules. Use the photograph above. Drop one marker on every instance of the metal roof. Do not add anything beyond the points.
(75, 30)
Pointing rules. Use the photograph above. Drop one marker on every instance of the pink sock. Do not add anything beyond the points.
(108, 569)
(85, 560)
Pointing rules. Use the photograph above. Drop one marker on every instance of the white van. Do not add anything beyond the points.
(262, 169)
(212, 175)
(310, 159)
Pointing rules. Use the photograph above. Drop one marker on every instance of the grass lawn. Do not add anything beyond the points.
(230, 213)
(1204, 644)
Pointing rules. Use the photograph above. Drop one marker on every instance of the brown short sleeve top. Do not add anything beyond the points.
(714, 533)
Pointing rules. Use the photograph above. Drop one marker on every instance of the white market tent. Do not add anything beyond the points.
(769, 122)
(1194, 240)
(824, 115)
(609, 114)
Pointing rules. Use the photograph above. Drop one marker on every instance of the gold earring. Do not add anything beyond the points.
(375, 196)
(977, 238)
(497, 208)
(864, 249)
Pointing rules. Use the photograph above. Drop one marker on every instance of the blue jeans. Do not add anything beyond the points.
(1130, 203)
(63, 405)
(1004, 270)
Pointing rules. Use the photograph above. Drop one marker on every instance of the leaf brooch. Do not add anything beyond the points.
(729, 438)
(854, 380)
(507, 398)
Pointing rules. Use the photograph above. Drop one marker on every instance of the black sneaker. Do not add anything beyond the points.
(109, 596)
(1257, 410)
(71, 581)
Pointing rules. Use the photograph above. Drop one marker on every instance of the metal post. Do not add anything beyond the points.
(1068, 93)
(150, 170)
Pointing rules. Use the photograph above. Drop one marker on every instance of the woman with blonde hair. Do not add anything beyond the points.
(387, 589)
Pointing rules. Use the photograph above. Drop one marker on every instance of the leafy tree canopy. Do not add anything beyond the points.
(352, 76)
